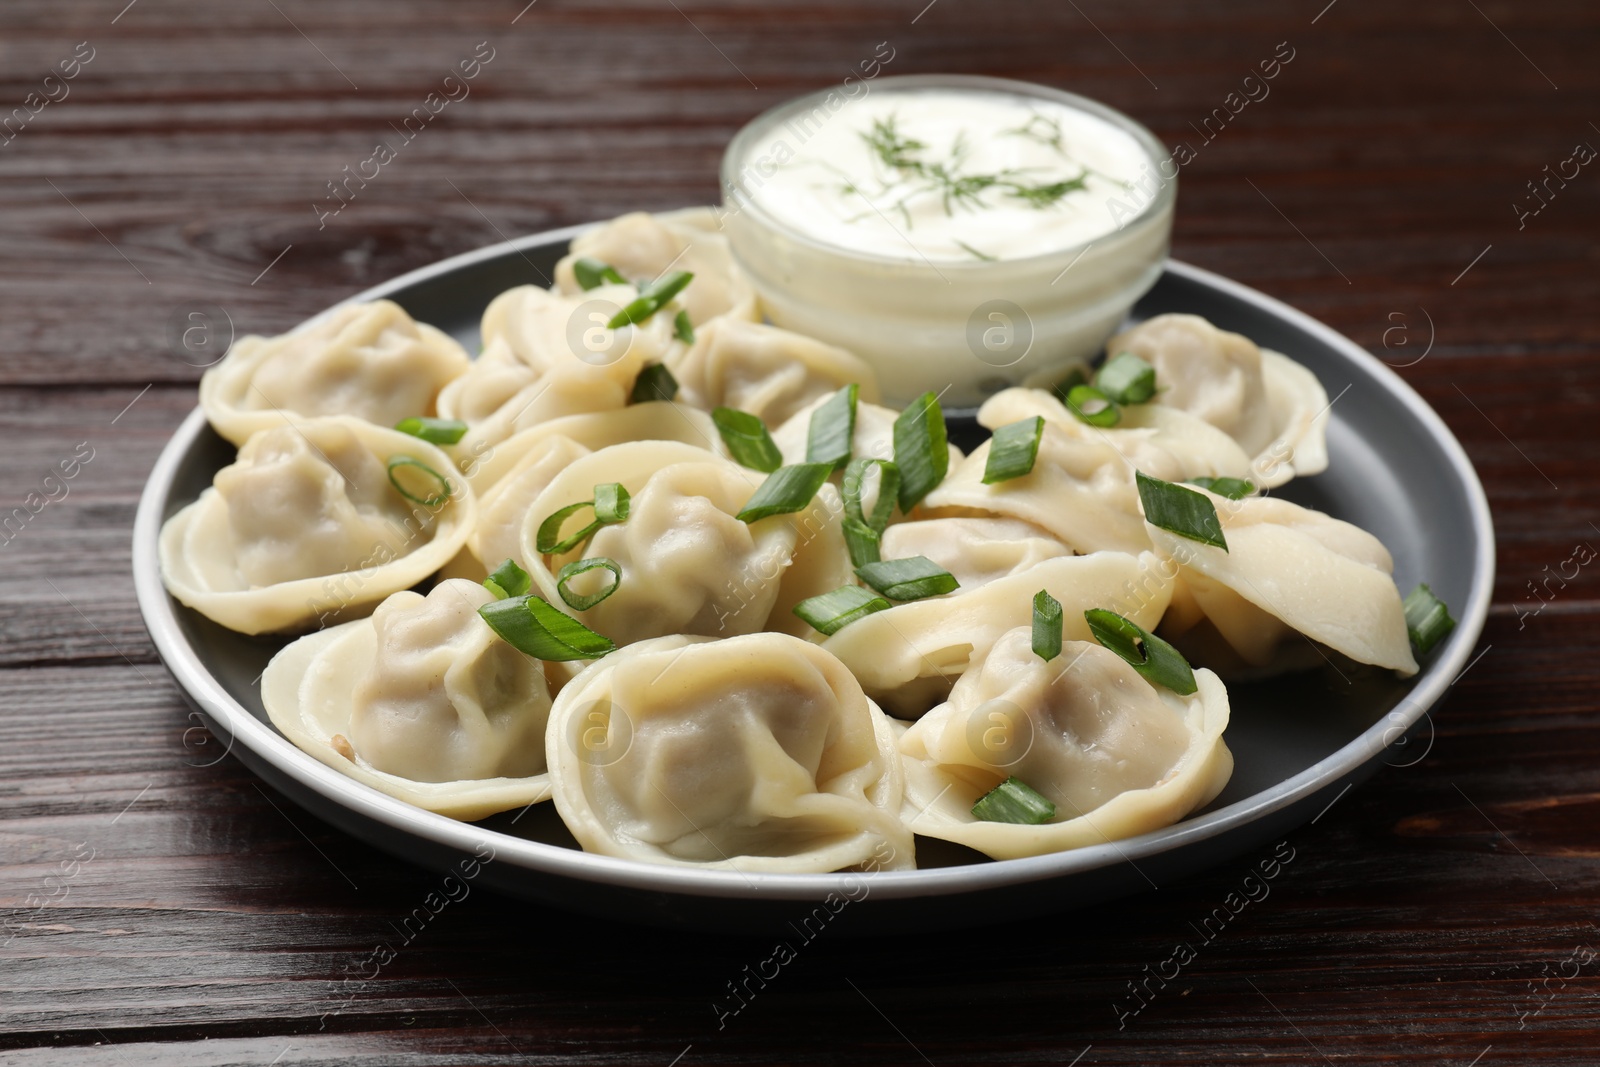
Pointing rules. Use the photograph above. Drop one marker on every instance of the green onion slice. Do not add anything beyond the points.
(1092, 406)
(1180, 511)
(652, 298)
(747, 439)
(832, 611)
(1428, 619)
(508, 580)
(1158, 662)
(920, 450)
(862, 541)
(682, 328)
(1126, 379)
(786, 489)
(1013, 450)
(591, 273)
(833, 428)
(434, 431)
(1046, 626)
(911, 578)
(581, 601)
(549, 540)
(855, 481)
(1014, 801)
(1074, 378)
(398, 463)
(611, 503)
(655, 382)
(1232, 488)
(529, 624)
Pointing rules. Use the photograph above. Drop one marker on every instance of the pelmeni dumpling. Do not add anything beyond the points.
(909, 656)
(976, 551)
(1288, 568)
(1275, 409)
(503, 510)
(653, 420)
(689, 565)
(1151, 436)
(754, 753)
(642, 247)
(309, 524)
(1082, 491)
(422, 701)
(1116, 755)
(372, 361)
(873, 436)
(769, 372)
(547, 355)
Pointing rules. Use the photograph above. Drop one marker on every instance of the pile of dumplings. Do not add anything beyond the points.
(394, 502)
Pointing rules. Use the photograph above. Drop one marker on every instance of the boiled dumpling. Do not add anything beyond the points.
(1289, 568)
(1275, 409)
(372, 361)
(503, 510)
(422, 701)
(908, 656)
(873, 437)
(689, 566)
(643, 247)
(769, 372)
(1116, 755)
(653, 420)
(1080, 490)
(1150, 436)
(976, 551)
(755, 753)
(310, 523)
(545, 356)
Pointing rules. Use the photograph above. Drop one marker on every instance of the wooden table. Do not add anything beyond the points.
(1441, 914)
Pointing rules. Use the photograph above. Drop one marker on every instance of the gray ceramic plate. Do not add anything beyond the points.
(1298, 742)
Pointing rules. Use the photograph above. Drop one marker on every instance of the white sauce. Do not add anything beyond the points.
(818, 175)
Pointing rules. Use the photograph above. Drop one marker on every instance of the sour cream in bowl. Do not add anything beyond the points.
(963, 234)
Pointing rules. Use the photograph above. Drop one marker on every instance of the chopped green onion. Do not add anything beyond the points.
(1232, 488)
(786, 489)
(832, 611)
(862, 541)
(833, 428)
(549, 540)
(433, 501)
(652, 298)
(1074, 378)
(855, 481)
(1013, 801)
(912, 578)
(611, 503)
(581, 601)
(508, 579)
(1013, 450)
(1181, 511)
(1428, 619)
(655, 382)
(747, 439)
(1158, 662)
(920, 450)
(682, 328)
(434, 431)
(591, 273)
(1126, 379)
(1092, 406)
(530, 625)
(1046, 626)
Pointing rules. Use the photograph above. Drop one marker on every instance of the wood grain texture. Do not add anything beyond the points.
(1430, 917)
